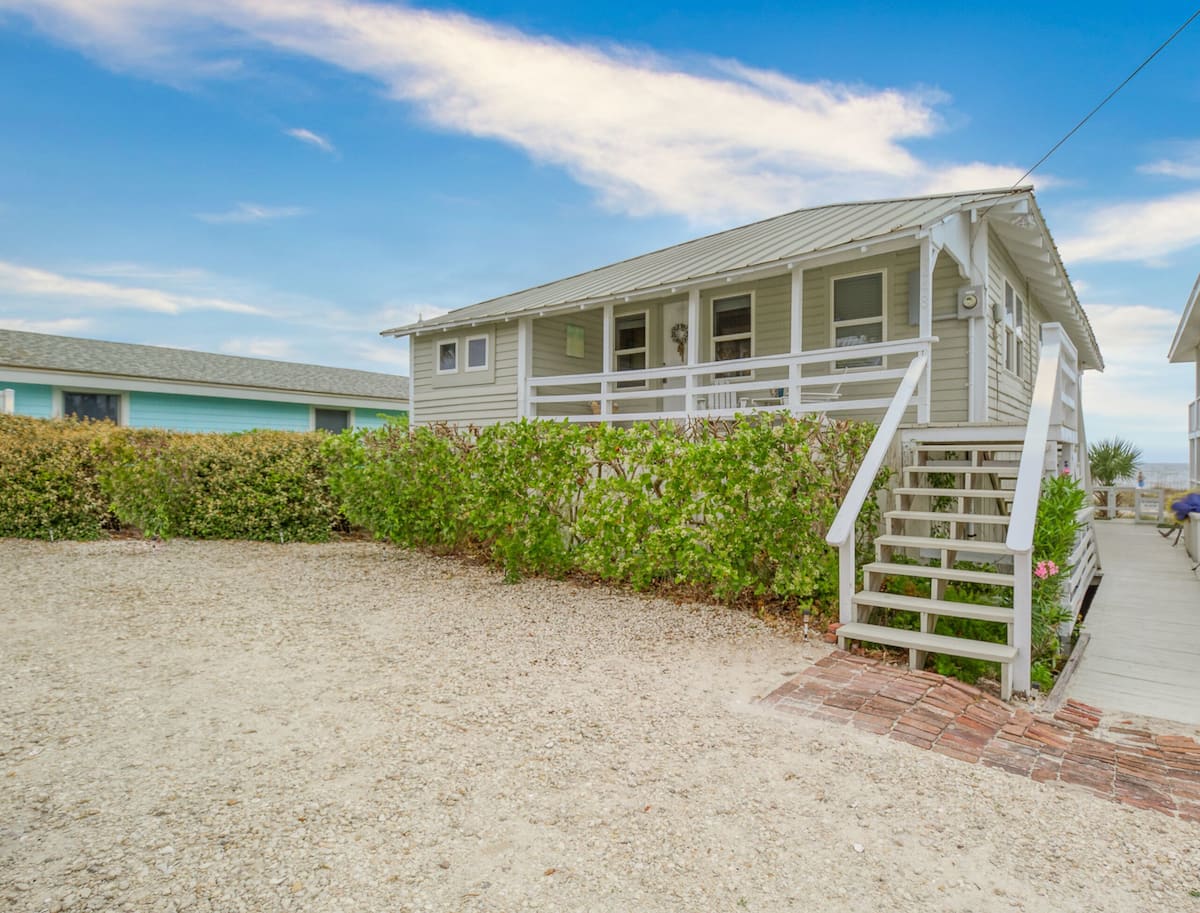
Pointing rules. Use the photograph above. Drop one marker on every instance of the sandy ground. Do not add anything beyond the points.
(231, 726)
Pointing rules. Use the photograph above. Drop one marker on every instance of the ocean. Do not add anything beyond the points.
(1172, 476)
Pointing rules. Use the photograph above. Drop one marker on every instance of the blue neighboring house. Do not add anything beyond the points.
(181, 390)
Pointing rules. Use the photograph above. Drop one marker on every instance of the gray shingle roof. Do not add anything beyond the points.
(39, 351)
(773, 240)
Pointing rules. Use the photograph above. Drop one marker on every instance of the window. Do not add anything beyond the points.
(331, 420)
(477, 353)
(1014, 331)
(732, 331)
(447, 357)
(858, 316)
(629, 340)
(98, 407)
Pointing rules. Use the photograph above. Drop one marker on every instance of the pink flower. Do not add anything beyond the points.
(1045, 569)
(1066, 470)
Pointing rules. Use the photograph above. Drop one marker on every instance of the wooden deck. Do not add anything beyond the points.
(1144, 654)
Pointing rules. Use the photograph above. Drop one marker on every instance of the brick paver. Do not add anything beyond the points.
(930, 711)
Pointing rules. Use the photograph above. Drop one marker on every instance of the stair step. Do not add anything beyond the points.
(963, 466)
(935, 606)
(1006, 493)
(939, 516)
(929, 643)
(958, 575)
(954, 545)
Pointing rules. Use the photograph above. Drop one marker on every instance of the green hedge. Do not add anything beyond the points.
(74, 480)
(734, 509)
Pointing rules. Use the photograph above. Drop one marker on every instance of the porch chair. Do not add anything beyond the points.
(825, 396)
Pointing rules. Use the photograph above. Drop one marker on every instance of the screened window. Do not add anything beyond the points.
(630, 341)
(332, 420)
(98, 407)
(447, 359)
(858, 316)
(733, 331)
(477, 353)
(1014, 331)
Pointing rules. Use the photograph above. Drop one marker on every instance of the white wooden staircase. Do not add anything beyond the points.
(950, 517)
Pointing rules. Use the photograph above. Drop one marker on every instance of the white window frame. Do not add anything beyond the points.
(312, 415)
(731, 337)
(59, 405)
(487, 353)
(1015, 310)
(882, 319)
(644, 349)
(437, 355)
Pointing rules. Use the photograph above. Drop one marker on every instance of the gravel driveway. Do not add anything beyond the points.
(231, 726)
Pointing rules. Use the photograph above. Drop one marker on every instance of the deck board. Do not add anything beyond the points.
(1144, 655)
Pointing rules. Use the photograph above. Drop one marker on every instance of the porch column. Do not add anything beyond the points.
(797, 328)
(524, 360)
(928, 258)
(607, 358)
(978, 349)
(693, 349)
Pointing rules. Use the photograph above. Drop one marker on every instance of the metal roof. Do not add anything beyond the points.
(39, 351)
(1187, 334)
(774, 240)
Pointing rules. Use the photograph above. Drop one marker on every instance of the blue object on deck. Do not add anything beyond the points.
(1189, 504)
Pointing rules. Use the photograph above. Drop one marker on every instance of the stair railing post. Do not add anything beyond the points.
(1022, 619)
(846, 581)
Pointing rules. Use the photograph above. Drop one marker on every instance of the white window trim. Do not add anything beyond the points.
(312, 415)
(1013, 334)
(644, 349)
(882, 319)
(713, 338)
(466, 353)
(58, 404)
(437, 355)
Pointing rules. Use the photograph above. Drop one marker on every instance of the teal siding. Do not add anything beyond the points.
(214, 413)
(374, 418)
(36, 400)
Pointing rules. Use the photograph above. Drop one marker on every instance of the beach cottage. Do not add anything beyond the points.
(1186, 348)
(947, 319)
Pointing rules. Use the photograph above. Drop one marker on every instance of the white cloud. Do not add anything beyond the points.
(1184, 164)
(63, 325)
(25, 283)
(279, 349)
(313, 139)
(1146, 231)
(1134, 391)
(252, 212)
(711, 139)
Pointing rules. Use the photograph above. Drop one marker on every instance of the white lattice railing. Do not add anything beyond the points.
(815, 381)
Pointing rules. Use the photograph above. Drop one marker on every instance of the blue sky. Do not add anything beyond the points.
(286, 178)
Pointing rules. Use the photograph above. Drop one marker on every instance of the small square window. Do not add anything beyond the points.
(477, 353)
(99, 407)
(447, 360)
(334, 421)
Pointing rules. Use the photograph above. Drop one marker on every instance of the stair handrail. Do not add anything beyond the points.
(841, 532)
(1037, 437)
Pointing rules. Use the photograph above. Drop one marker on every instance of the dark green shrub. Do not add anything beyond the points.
(49, 486)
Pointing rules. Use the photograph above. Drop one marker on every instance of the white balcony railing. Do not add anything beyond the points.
(814, 381)
(1194, 444)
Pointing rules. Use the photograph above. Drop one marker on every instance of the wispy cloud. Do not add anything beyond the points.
(1183, 163)
(1130, 392)
(708, 139)
(62, 325)
(313, 139)
(252, 212)
(29, 284)
(260, 348)
(1146, 230)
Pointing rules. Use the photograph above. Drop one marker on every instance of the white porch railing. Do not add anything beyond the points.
(698, 391)
(841, 533)
(1194, 444)
(1053, 433)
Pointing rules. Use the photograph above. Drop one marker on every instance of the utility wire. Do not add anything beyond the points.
(1107, 99)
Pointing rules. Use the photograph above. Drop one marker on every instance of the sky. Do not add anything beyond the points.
(286, 178)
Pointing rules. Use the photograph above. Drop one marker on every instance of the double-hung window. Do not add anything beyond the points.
(477, 353)
(858, 316)
(98, 407)
(1014, 331)
(447, 357)
(732, 331)
(630, 344)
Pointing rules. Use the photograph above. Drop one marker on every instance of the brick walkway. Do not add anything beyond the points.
(1160, 772)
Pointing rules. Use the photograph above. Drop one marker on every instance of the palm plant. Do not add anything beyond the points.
(1113, 459)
